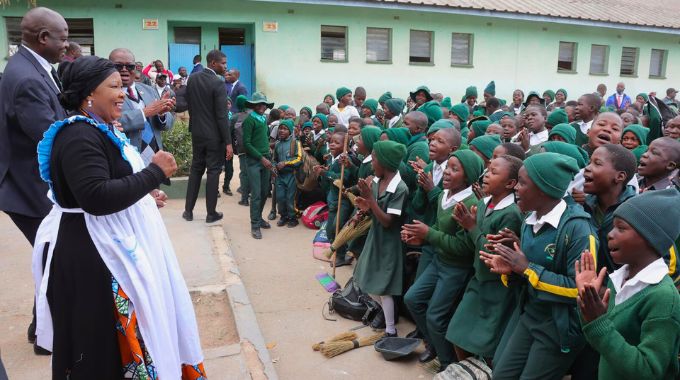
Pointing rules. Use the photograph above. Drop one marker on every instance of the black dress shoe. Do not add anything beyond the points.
(415, 334)
(256, 233)
(227, 191)
(272, 215)
(244, 202)
(211, 218)
(378, 322)
(265, 225)
(30, 333)
(292, 223)
(188, 216)
(428, 355)
(40, 351)
(282, 222)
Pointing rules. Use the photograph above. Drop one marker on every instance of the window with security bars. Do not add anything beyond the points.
(629, 59)
(80, 30)
(334, 43)
(461, 49)
(599, 55)
(378, 45)
(657, 63)
(420, 48)
(566, 59)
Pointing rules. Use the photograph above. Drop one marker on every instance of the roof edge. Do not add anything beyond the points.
(381, 4)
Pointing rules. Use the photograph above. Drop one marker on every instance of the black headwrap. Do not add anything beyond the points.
(81, 77)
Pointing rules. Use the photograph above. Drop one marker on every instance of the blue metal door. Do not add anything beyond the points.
(182, 55)
(241, 58)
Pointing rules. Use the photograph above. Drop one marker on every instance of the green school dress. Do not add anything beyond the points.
(380, 269)
(481, 318)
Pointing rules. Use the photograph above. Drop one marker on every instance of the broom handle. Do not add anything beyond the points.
(337, 216)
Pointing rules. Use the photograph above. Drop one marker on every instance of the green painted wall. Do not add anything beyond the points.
(288, 67)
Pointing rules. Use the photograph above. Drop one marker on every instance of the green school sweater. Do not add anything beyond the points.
(508, 217)
(333, 173)
(451, 241)
(417, 147)
(639, 338)
(424, 203)
(581, 138)
(255, 137)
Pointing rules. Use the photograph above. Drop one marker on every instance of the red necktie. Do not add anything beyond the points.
(131, 94)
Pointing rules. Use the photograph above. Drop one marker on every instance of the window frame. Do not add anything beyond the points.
(346, 44)
(664, 64)
(389, 46)
(574, 58)
(605, 64)
(431, 62)
(636, 62)
(471, 49)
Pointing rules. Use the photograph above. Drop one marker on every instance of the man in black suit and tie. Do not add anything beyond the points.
(29, 104)
(145, 114)
(197, 64)
(209, 127)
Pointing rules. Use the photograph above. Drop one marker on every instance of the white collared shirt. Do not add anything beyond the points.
(553, 217)
(44, 64)
(368, 159)
(448, 202)
(391, 188)
(651, 274)
(438, 171)
(585, 127)
(393, 121)
(537, 138)
(343, 116)
(505, 202)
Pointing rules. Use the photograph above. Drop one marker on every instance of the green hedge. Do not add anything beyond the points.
(178, 142)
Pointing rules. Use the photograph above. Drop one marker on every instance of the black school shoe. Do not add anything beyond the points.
(428, 355)
(272, 215)
(378, 322)
(282, 222)
(40, 351)
(227, 191)
(188, 216)
(292, 223)
(256, 233)
(244, 202)
(265, 225)
(211, 218)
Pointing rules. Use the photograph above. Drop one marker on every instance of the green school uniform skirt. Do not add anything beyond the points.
(482, 316)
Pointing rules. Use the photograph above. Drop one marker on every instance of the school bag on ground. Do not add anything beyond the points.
(468, 369)
(352, 303)
(321, 244)
(314, 215)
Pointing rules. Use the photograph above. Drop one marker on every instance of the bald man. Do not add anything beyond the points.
(29, 104)
(619, 100)
(235, 87)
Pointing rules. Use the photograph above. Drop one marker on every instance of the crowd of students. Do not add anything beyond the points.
(546, 232)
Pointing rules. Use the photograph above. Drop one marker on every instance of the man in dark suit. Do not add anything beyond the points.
(209, 127)
(29, 104)
(197, 64)
(145, 114)
(235, 87)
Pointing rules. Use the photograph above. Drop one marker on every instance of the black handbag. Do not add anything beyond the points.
(351, 303)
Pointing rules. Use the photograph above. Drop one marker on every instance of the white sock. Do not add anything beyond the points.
(388, 310)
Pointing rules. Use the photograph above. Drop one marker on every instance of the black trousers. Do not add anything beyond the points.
(228, 173)
(28, 225)
(207, 155)
(3, 374)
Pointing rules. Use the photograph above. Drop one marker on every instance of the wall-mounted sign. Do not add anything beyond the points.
(150, 23)
(270, 26)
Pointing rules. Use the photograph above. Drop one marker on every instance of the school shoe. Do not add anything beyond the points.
(395, 334)
(212, 218)
(244, 202)
(282, 222)
(227, 191)
(378, 322)
(428, 355)
(256, 233)
(188, 216)
(415, 334)
(30, 333)
(239, 190)
(342, 261)
(265, 225)
(272, 215)
(292, 223)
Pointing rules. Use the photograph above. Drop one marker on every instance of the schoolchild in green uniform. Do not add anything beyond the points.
(433, 297)
(634, 138)
(480, 320)
(379, 270)
(417, 146)
(547, 336)
(563, 132)
(606, 129)
(484, 146)
(511, 149)
(287, 157)
(635, 324)
(258, 164)
(586, 111)
(320, 137)
(328, 174)
(237, 129)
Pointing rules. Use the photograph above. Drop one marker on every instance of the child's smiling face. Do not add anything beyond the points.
(336, 144)
(605, 130)
(657, 160)
(629, 140)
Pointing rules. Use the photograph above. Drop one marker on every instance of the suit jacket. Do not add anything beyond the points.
(207, 100)
(197, 69)
(625, 102)
(28, 106)
(238, 89)
(132, 119)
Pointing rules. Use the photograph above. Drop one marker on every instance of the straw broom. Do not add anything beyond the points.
(348, 233)
(348, 335)
(350, 196)
(332, 349)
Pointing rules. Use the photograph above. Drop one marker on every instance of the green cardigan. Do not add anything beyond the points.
(424, 204)
(451, 241)
(255, 137)
(639, 338)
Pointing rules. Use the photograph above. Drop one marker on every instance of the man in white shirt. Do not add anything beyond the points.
(342, 109)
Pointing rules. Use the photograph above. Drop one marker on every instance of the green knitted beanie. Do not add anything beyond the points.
(550, 93)
(480, 126)
(389, 154)
(566, 131)
(385, 97)
(470, 91)
(654, 215)
(370, 135)
(491, 88)
(486, 144)
(439, 124)
(639, 131)
(462, 111)
(323, 118)
(563, 91)
(558, 116)
(371, 104)
(241, 102)
(573, 151)
(551, 172)
(472, 164)
(395, 105)
(342, 91)
(288, 124)
(432, 110)
(400, 135)
(446, 102)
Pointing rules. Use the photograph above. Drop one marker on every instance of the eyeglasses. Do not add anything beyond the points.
(120, 66)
